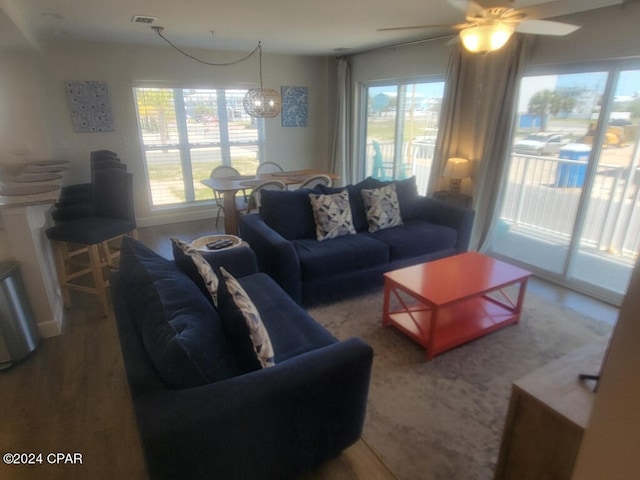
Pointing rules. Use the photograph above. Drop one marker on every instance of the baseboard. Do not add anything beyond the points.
(177, 216)
(51, 328)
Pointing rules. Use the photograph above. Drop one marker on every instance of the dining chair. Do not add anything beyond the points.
(316, 180)
(254, 200)
(225, 171)
(268, 167)
(87, 246)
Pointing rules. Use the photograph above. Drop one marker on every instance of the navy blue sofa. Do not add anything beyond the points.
(199, 414)
(284, 239)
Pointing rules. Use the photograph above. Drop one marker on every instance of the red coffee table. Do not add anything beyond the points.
(453, 300)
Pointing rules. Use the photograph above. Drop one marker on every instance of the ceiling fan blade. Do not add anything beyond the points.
(415, 27)
(469, 7)
(545, 27)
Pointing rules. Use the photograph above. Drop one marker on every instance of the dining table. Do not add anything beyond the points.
(227, 187)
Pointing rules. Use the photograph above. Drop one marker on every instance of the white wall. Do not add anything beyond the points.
(32, 88)
(417, 60)
(605, 33)
(21, 124)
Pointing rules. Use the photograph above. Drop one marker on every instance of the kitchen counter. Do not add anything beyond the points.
(25, 218)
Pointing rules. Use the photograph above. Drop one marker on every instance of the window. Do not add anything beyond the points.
(186, 133)
(401, 129)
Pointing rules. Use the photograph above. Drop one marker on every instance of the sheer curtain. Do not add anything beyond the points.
(453, 111)
(478, 111)
(342, 162)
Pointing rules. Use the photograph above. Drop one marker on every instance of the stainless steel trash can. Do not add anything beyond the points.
(18, 332)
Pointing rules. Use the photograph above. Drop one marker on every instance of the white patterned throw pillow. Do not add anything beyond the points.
(257, 331)
(204, 268)
(332, 214)
(382, 207)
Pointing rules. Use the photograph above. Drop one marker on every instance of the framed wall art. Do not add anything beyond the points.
(89, 106)
(294, 106)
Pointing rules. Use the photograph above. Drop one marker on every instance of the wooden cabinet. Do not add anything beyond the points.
(548, 412)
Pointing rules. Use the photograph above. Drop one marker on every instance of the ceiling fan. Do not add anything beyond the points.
(488, 29)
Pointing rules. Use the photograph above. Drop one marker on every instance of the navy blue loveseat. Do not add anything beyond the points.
(200, 415)
(283, 235)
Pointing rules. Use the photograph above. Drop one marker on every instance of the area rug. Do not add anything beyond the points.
(443, 419)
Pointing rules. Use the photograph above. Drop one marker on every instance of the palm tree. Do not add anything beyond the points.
(547, 102)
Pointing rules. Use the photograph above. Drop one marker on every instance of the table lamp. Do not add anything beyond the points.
(456, 169)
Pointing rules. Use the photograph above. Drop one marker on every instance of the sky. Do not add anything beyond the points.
(424, 90)
(628, 84)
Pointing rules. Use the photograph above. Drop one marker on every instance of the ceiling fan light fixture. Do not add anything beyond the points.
(486, 38)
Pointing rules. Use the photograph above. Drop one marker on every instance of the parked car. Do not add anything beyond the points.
(619, 122)
(541, 143)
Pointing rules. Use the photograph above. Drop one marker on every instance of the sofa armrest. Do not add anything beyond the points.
(454, 216)
(285, 419)
(239, 261)
(276, 255)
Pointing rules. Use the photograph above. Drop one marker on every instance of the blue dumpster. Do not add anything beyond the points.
(572, 174)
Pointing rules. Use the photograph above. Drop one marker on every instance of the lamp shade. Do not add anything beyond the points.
(262, 102)
(456, 168)
(486, 38)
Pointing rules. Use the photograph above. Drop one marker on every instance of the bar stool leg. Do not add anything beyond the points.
(98, 277)
(60, 254)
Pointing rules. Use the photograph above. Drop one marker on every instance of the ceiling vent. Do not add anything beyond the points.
(144, 19)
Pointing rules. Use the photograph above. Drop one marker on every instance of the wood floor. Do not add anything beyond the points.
(70, 396)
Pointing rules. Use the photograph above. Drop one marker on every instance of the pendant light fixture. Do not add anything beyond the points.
(262, 102)
(258, 102)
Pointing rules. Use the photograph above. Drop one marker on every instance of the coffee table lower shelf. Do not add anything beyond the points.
(456, 324)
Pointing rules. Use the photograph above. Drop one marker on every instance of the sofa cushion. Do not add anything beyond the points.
(288, 212)
(382, 207)
(415, 238)
(291, 329)
(208, 276)
(240, 261)
(179, 327)
(243, 325)
(332, 214)
(407, 191)
(358, 214)
(339, 255)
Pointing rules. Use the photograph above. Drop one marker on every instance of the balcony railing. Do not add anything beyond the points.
(543, 195)
(416, 159)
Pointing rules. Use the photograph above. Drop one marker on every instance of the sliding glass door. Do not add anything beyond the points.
(569, 206)
(401, 128)
(609, 229)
